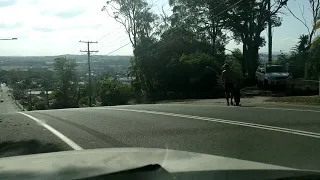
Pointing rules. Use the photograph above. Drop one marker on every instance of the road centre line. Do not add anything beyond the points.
(286, 109)
(255, 107)
(224, 121)
(65, 139)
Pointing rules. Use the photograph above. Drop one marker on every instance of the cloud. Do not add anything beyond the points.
(66, 14)
(10, 26)
(43, 29)
(5, 3)
(27, 2)
(290, 39)
(64, 27)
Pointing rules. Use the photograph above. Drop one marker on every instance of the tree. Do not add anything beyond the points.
(315, 11)
(299, 56)
(83, 95)
(247, 20)
(134, 15)
(203, 18)
(65, 92)
(112, 92)
(237, 56)
(315, 53)
(47, 84)
(139, 23)
(198, 77)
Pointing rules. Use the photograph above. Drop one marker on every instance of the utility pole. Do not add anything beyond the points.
(89, 68)
(30, 100)
(47, 97)
(269, 32)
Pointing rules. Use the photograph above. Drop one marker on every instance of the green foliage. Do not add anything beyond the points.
(236, 67)
(247, 21)
(18, 94)
(40, 105)
(315, 59)
(198, 74)
(112, 92)
(84, 101)
(303, 56)
(200, 17)
(135, 16)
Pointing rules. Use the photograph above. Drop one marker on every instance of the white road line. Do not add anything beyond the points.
(238, 123)
(254, 107)
(65, 139)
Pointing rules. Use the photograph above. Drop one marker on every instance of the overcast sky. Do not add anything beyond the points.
(54, 27)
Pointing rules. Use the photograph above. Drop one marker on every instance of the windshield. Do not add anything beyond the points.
(237, 79)
(272, 69)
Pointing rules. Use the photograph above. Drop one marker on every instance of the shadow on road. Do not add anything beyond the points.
(16, 148)
(247, 106)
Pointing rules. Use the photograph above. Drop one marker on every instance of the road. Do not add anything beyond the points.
(8, 104)
(280, 135)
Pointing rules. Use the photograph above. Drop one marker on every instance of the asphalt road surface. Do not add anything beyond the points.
(8, 104)
(280, 135)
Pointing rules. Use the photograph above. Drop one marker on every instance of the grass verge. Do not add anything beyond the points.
(309, 100)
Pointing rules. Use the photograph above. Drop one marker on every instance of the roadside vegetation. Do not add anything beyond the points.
(175, 57)
(304, 59)
(62, 88)
(309, 100)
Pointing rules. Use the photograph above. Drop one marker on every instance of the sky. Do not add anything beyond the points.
(47, 27)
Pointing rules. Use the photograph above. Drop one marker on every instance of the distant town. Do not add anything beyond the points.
(100, 64)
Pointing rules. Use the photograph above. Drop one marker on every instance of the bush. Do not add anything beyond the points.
(18, 94)
(84, 101)
(113, 92)
(40, 105)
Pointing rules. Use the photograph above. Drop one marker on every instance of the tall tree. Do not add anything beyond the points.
(138, 22)
(202, 17)
(247, 20)
(134, 15)
(315, 11)
(67, 81)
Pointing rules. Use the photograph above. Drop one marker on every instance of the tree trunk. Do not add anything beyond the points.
(245, 60)
(251, 53)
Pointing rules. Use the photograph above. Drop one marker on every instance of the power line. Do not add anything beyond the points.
(118, 48)
(119, 27)
(187, 32)
(108, 33)
(89, 68)
(114, 42)
(183, 33)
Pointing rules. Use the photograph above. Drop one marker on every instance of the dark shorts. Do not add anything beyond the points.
(229, 87)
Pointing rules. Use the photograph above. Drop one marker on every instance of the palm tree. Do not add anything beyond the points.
(302, 45)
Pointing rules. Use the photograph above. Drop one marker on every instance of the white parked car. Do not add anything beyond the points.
(272, 75)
